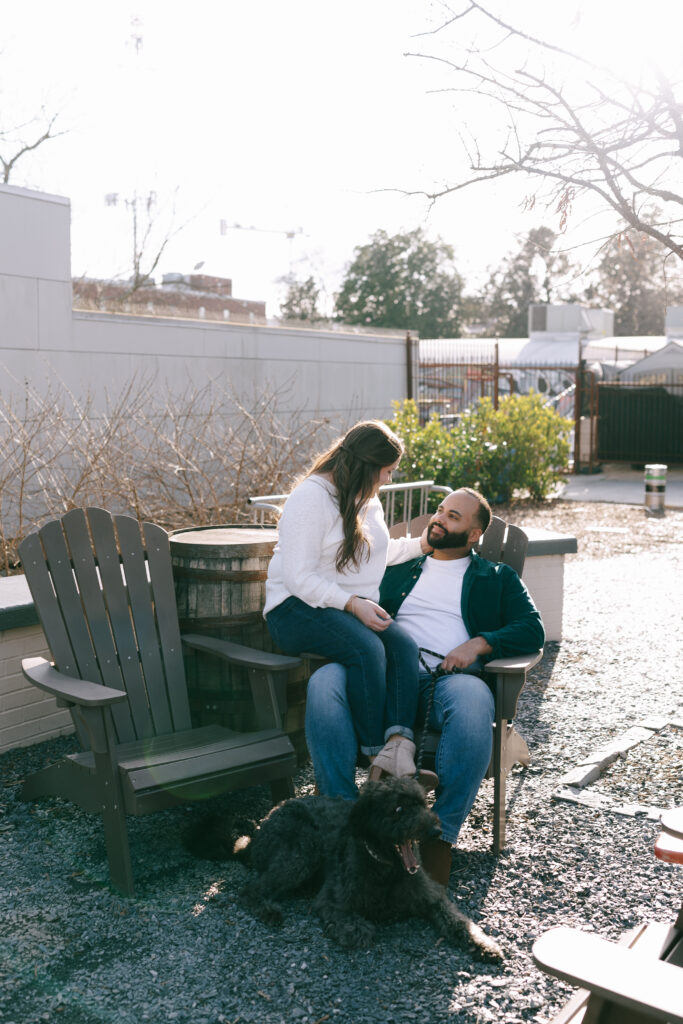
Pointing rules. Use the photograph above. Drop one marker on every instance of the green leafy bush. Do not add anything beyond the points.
(522, 446)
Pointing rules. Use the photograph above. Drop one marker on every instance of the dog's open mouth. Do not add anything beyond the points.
(407, 854)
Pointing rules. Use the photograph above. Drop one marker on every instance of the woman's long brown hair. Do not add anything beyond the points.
(354, 462)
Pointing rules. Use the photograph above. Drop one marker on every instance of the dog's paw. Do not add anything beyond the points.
(485, 947)
(270, 913)
(263, 909)
(355, 933)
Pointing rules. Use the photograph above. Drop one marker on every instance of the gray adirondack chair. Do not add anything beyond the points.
(500, 543)
(638, 980)
(103, 589)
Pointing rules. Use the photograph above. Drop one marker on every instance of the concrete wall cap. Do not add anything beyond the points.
(16, 604)
(545, 542)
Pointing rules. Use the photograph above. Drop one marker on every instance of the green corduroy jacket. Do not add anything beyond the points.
(495, 604)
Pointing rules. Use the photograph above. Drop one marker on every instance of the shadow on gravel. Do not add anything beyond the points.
(472, 872)
(538, 681)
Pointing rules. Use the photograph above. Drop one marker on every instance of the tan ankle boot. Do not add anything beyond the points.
(436, 860)
(397, 758)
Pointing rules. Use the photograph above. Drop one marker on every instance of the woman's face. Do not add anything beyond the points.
(385, 473)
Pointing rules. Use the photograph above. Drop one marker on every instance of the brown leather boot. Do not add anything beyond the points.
(436, 860)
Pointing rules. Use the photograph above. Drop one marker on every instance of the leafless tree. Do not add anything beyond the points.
(152, 228)
(24, 138)
(176, 459)
(572, 127)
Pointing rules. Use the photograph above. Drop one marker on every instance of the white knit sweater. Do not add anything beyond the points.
(309, 534)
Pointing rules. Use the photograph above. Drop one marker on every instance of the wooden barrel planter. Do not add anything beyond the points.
(220, 583)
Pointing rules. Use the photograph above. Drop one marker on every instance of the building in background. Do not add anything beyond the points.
(192, 296)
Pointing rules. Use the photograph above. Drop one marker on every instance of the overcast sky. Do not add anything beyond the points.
(284, 115)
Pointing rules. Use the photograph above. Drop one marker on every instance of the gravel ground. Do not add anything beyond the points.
(72, 951)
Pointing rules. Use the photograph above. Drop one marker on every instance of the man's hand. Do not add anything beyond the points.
(370, 614)
(465, 654)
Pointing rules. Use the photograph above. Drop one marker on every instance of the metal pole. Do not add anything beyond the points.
(496, 371)
(409, 366)
(577, 416)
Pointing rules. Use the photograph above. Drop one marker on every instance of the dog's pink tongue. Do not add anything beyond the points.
(408, 857)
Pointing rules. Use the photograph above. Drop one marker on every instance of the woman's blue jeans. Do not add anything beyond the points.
(463, 711)
(381, 668)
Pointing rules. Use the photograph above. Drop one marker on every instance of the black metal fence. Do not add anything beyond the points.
(616, 421)
(449, 383)
(640, 423)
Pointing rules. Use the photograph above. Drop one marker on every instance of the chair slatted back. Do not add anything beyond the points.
(504, 543)
(107, 606)
(412, 529)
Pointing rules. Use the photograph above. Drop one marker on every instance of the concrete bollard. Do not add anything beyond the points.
(655, 489)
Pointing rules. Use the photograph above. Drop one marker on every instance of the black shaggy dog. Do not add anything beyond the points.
(360, 857)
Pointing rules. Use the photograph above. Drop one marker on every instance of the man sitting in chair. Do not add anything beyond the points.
(450, 601)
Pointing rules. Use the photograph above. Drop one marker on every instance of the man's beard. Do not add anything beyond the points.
(447, 540)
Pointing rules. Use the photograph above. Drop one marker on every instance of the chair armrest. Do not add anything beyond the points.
(615, 973)
(237, 654)
(510, 677)
(67, 688)
(266, 671)
(513, 666)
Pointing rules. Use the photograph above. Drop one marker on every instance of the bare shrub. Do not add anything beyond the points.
(186, 459)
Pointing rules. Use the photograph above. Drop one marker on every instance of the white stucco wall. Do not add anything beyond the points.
(341, 375)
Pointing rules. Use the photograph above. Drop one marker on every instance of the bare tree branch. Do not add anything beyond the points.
(574, 127)
(8, 162)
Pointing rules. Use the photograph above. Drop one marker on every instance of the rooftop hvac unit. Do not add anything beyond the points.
(538, 318)
(564, 318)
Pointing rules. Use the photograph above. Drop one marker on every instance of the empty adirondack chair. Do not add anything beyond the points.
(508, 544)
(103, 588)
(638, 980)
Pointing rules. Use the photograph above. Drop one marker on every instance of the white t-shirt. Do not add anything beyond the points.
(431, 611)
(309, 534)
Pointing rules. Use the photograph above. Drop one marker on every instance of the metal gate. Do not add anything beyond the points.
(639, 423)
(450, 386)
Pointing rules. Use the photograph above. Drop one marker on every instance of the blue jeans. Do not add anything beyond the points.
(463, 711)
(381, 679)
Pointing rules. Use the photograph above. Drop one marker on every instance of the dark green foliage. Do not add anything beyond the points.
(522, 446)
(405, 281)
(301, 301)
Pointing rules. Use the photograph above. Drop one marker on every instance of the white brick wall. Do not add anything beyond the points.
(27, 715)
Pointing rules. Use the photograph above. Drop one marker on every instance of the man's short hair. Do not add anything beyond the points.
(483, 513)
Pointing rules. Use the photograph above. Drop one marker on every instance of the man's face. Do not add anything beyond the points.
(452, 524)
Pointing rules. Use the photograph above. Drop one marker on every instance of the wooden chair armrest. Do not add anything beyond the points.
(614, 973)
(510, 677)
(67, 688)
(512, 666)
(266, 672)
(237, 654)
